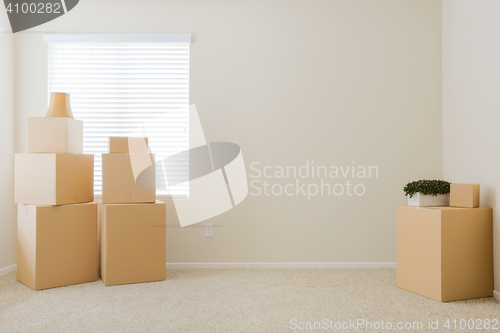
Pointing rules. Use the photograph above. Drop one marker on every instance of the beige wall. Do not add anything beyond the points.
(290, 81)
(7, 138)
(471, 101)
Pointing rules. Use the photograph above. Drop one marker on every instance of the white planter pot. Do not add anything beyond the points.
(421, 200)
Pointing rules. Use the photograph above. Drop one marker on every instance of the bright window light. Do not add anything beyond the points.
(117, 83)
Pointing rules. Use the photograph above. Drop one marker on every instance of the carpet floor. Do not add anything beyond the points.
(238, 300)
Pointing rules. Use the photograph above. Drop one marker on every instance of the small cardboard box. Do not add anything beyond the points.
(125, 145)
(55, 135)
(119, 184)
(133, 243)
(54, 179)
(445, 253)
(464, 195)
(56, 245)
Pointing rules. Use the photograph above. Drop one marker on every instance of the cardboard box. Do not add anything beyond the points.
(125, 145)
(55, 135)
(119, 184)
(133, 243)
(54, 179)
(464, 195)
(56, 245)
(445, 253)
(99, 216)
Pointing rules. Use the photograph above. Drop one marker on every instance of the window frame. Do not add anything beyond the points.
(123, 39)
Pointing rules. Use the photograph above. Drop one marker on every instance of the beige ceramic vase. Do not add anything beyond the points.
(59, 105)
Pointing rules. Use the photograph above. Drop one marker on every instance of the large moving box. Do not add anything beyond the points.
(445, 253)
(99, 217)
(119, 184)
(133, 243)
(55, 135)
(56, 245)
(54, 179)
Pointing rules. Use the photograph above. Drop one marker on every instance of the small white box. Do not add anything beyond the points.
(422, 200)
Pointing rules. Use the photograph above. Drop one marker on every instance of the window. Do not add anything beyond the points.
(118, 83)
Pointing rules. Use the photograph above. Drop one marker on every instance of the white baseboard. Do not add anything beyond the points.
(11, 268)
(281, 265)
(496, 295)
(8, 269)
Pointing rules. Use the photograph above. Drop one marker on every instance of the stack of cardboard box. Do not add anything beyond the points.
(446, 253)
(132, 225)
(54, 190)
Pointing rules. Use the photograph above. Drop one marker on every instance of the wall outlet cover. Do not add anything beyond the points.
(209, 230)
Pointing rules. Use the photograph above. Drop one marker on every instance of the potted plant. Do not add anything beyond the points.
(425, 192)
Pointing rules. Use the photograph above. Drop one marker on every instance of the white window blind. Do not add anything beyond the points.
(118, 83)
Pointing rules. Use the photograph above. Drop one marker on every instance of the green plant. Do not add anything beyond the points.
(427, 187)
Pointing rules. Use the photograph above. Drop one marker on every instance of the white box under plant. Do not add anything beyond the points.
(421, 200)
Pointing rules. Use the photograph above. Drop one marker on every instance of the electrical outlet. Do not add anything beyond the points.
(209, 230)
